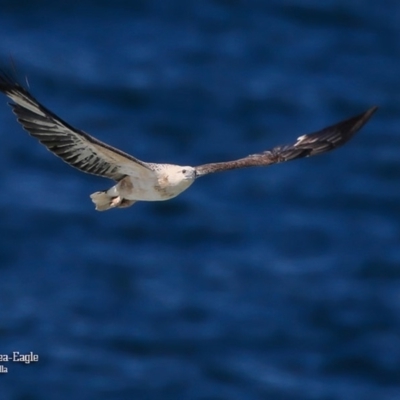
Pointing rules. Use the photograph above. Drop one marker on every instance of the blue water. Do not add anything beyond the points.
(278, 283)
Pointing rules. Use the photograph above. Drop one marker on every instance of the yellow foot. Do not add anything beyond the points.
(115, 201)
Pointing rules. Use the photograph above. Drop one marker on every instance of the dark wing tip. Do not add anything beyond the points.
(335, 135)
(359, 121)
(8, 82)
(371, 110)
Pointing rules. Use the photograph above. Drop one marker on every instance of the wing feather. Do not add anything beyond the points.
(306, 146)
(74, 146)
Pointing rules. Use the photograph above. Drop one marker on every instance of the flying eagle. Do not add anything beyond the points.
(137, 180)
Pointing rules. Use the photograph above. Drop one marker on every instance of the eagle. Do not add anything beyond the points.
(136, 180)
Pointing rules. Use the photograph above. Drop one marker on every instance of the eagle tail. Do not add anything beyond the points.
(103, 201)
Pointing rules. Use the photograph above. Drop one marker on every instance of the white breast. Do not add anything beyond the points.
(162, 187)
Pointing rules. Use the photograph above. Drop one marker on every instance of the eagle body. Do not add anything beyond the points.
(169, 182)
(137, 180)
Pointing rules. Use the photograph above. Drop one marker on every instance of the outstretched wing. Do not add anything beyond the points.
(74, 146)
(307, 145)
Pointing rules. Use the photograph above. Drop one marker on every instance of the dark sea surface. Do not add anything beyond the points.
(274, 283)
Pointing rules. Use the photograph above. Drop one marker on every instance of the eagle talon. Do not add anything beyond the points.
(116, 201)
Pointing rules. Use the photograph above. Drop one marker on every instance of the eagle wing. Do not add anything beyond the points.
(306, 146)
(74, 146)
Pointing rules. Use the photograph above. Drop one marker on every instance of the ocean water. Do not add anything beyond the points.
(274, 283)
